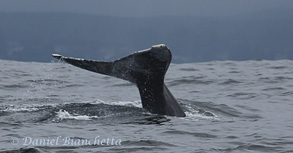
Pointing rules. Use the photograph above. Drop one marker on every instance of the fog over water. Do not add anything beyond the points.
(133, 8)
(106, 30)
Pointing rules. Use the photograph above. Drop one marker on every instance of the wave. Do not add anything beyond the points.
(130, 111)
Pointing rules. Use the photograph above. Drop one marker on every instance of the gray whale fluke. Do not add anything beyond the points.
(146, 69)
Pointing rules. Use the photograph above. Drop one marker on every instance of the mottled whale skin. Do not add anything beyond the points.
(146, 69)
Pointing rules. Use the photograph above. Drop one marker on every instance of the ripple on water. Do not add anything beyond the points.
(142, 146)
(229, 82)
(195, 134)
(190, 80)
(13, 86)
(234, 99)
(188, 69)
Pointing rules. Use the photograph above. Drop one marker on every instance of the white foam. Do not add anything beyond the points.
(21, 109)
(29, 108)
(63, 114)
(136, 103)
(197, 116)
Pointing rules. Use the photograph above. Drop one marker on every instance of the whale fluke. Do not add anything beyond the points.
(146, 69)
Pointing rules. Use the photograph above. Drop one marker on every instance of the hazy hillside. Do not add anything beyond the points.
(35, 36)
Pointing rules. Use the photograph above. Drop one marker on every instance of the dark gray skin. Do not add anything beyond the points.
(146, 69)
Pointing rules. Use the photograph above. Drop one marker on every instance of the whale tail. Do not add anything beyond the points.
(146, 69)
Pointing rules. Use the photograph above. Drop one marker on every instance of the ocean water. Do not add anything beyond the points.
(231, 106)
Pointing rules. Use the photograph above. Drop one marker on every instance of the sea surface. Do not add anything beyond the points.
(231, 106)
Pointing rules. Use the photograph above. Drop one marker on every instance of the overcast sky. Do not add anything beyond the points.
(139, 8)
